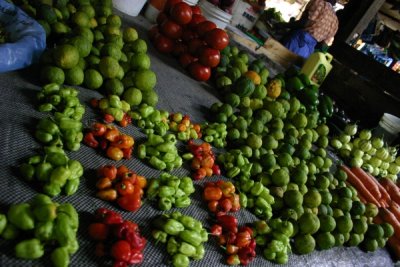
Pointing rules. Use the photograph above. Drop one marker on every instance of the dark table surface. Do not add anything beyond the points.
(177, 93)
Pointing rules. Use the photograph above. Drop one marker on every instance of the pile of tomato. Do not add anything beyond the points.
(121, 185)
(184, 32)
(203, 161)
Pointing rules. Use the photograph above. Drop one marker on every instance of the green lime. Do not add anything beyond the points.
(223, 82)
(263, 115)
(109, 49)
(304, 244)
(285, 160)
(247, 151)
(109, 67)
(325, 240)
(312, 199)
(254, 141)
(299, 176)
(369, 245)
(74, 76)
(139, 46)
(52, 74)
(374, 231)
(344, 224)
(360, 226)
(322, 182)
(66, 56)
(327, 223)
(358, 208)
(371, 210)
(355, 239)
(145, 80)
(256, 126)
(267, 161)
(294, 84)
(246, 112)
(150, 98)
(293, 198)
(93, 79)
(85, 32)
(80, 18)
(387, 230)
(280, 177)
(308, 223)
(88, 10)
(113, 87)
(326, 197)
(140, 61)
(130, 35)
(132, 96)
(114, 20)
(340, 175)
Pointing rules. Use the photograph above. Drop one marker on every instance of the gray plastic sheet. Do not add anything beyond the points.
(177, 93)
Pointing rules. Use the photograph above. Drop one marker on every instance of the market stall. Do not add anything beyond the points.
(177, 93)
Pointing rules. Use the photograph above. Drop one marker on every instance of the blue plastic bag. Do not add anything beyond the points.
(27, 38)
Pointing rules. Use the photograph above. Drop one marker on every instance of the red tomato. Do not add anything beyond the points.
(170, 4)
(209, 57)
(114, 153)
(121, 250)
(125, 187)
(204, 27)
(161, 18)
(98, 231)
(98, 129)
(217, 38)
(185, 59)
(199, 72)
(188, 35)
(164, 44)
(181, 13)
(195, 45)
(196, 19)
(109, 171)
(196, 10)
(171, 29)
(131, 202)
(179, 49)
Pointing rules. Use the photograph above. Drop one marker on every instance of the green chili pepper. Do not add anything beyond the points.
(173, 227)
(72, 146)
(166, 191)
(204, 235)
(39, 200)
(192, 237)
(35, 159)
(3, 222)
(176, 215)
(76, 169)
(187, 185)
(166, 147)
(10, 232)
(177, 162)
(157, 163)
(187, 249)
(55, 100)
(256, 189)
(160, 236)
(261, 240)
(27, 171)
(50, 88)
(246, 185)
(60, 175)
(63, 231)
(43, 136)
(200, 252)
(152, 188)
(242, 200)
(21, 216)
(71, 101)
(182, 202)
(68, 124)
(70, 211)
(187, 156)
(48, 126)
(60, 257)
(141, 151)
(52, 189)
(189, 222)
(161, 128)
(262, 203)
(168, 157)
(71, 186)
(68, 112)
(44, 230)
(145, 110)
(172, 245)
(182, 136)
(233, 172)
(170, 138)
(45, 212)
(179, 193)
(250, 202)
(165, 203)
(29, 249)
(180, 260)
(47, 107)
(262, 227)
(57, 159)
(134, 115)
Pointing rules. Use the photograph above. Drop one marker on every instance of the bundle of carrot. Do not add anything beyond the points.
(368, 188)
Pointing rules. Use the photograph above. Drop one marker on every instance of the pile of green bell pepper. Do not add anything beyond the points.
(113, 105)
(274, 236)
(215, 133)
(183, 235)
(53, 170)
(160, 152)
(65, 128)
(170, 191)
(39, 225)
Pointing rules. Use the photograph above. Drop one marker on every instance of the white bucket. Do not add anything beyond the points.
(244, 16)
(388, 128)
(129, 7)
(215, 14)
(191, 2)
(151, 13)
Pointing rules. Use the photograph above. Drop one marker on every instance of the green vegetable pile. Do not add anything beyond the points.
(170, 191)
(39, 225)
(183, 235)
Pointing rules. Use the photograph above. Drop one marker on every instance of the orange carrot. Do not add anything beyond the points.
(392, 189)
(394, 244)
(361, 189)
(384, 192)
(395, 209)
(388, 217)
(367, 181)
